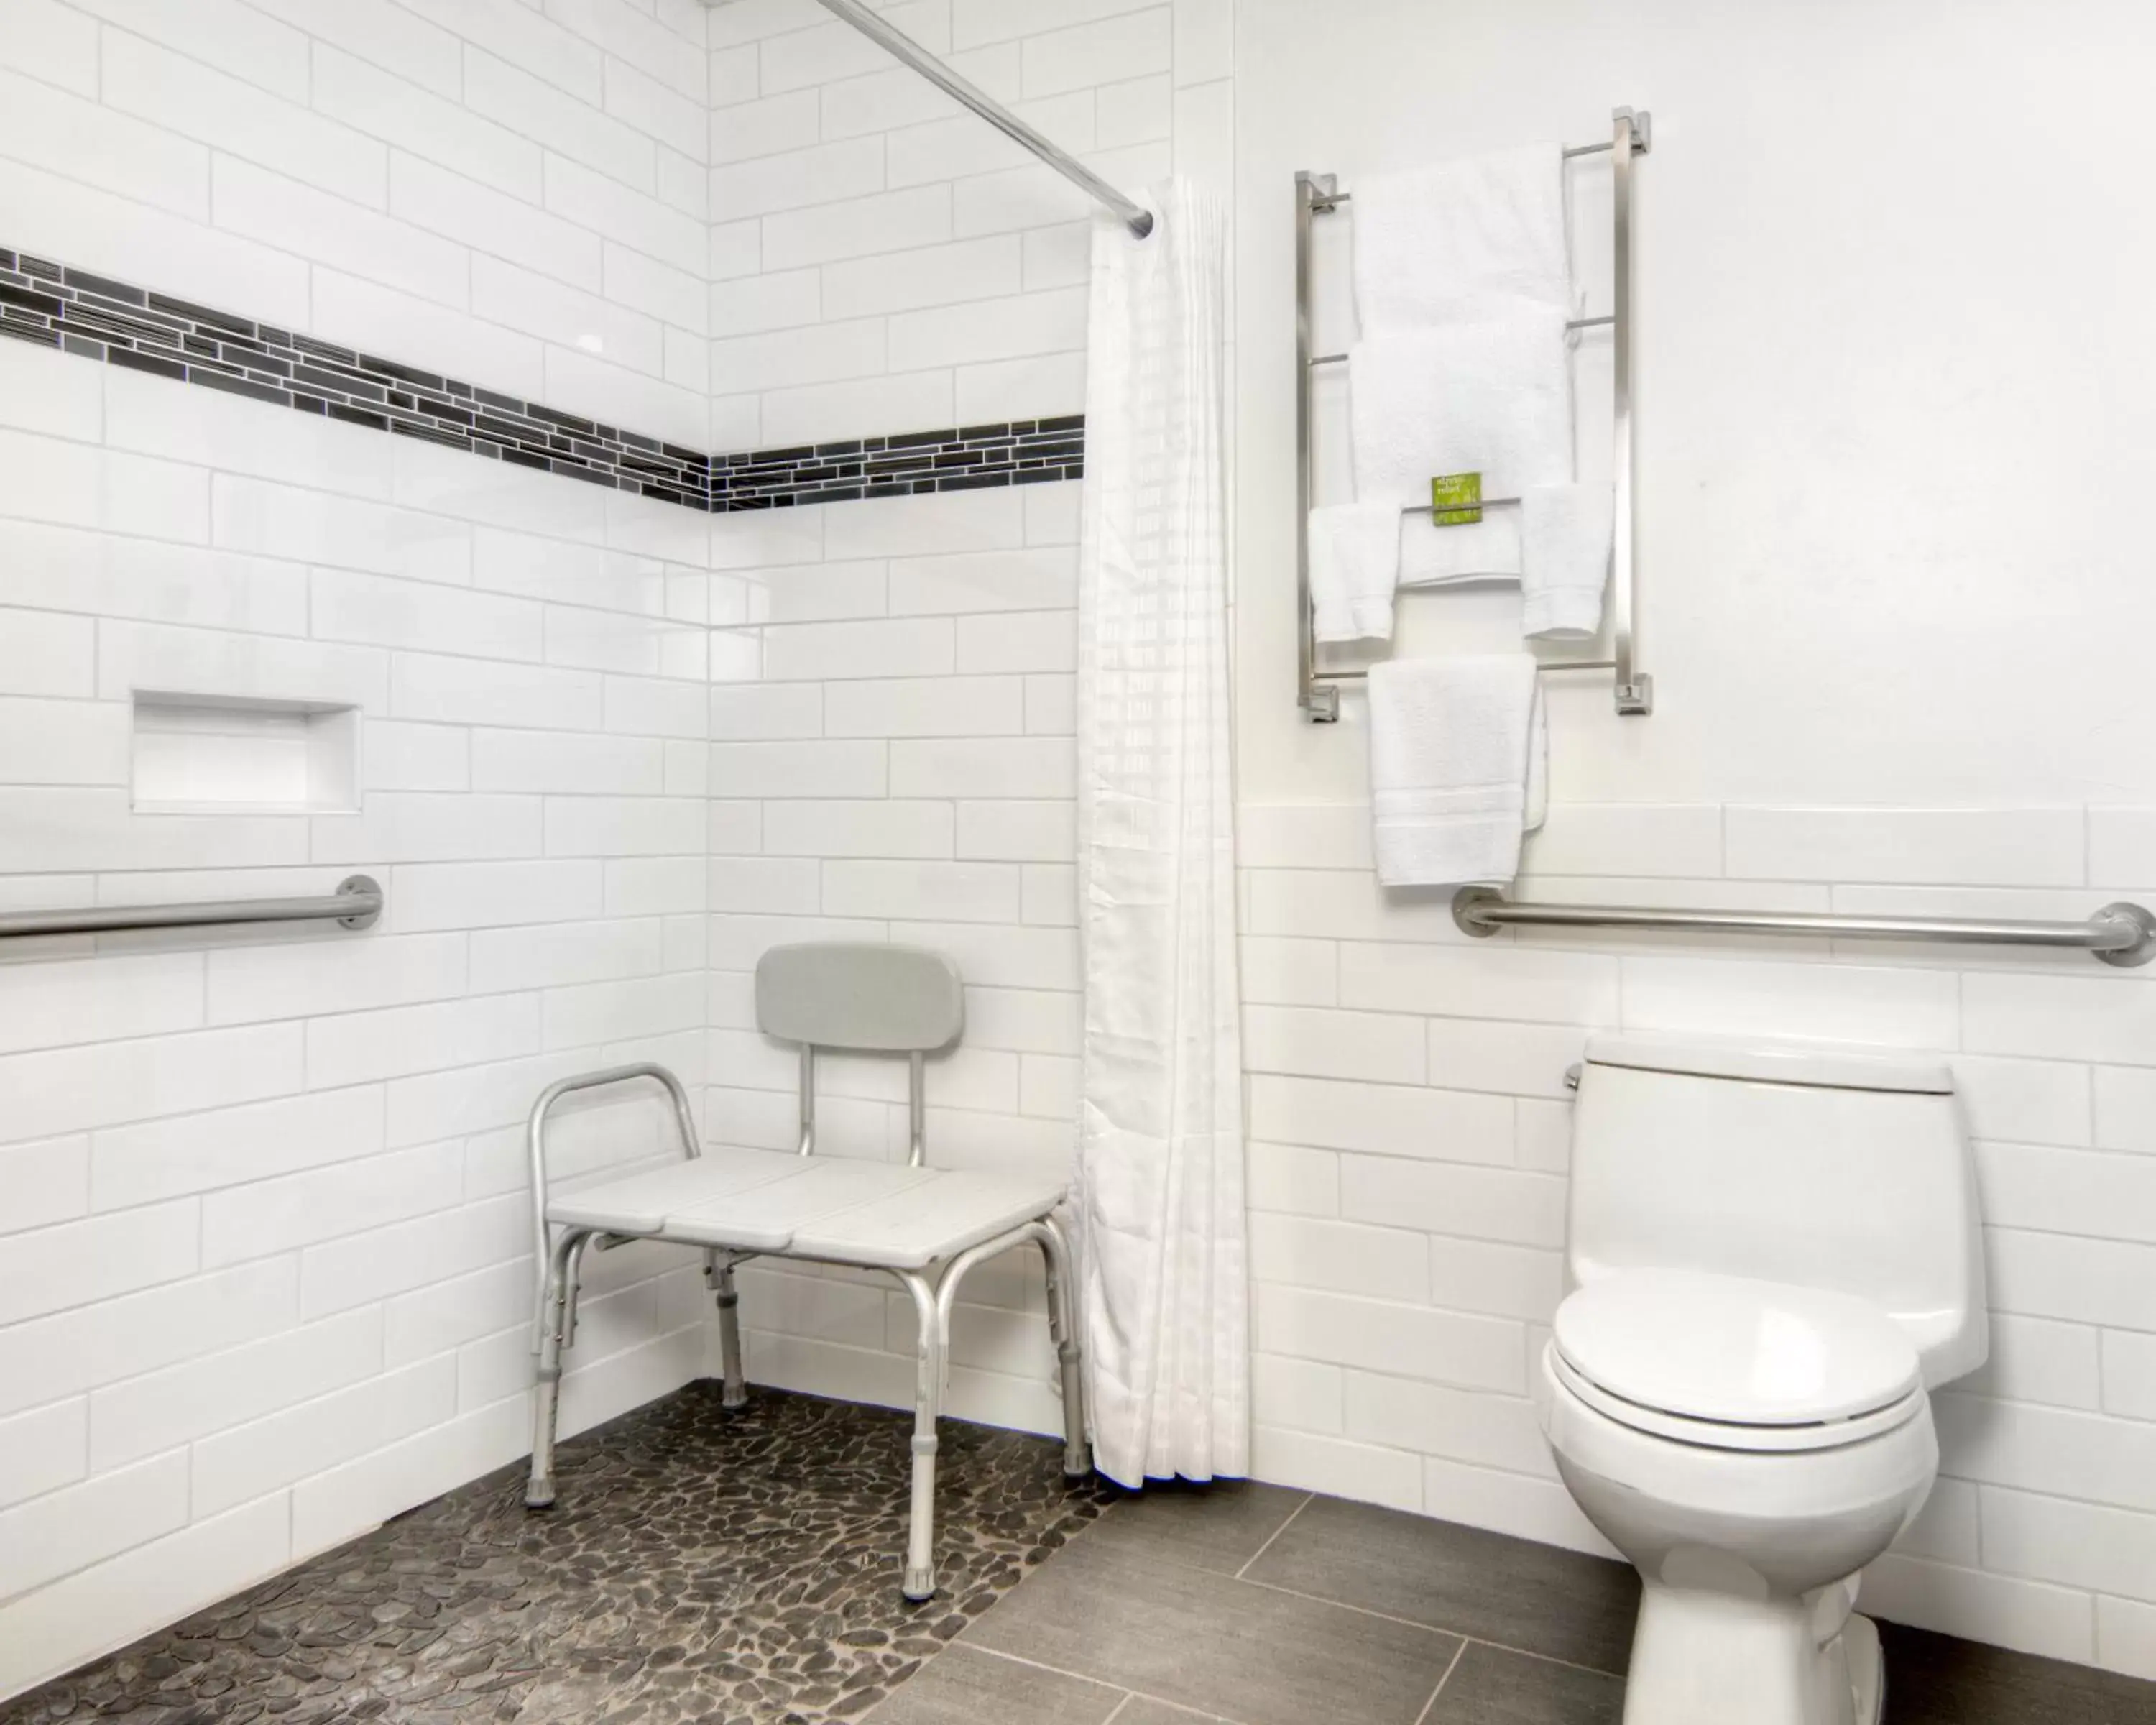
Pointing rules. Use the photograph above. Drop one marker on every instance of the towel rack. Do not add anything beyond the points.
(1318, 690)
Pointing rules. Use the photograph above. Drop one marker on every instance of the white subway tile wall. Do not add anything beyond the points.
(879, 794)
(264, 1254)
(883, 262)
(476, 188)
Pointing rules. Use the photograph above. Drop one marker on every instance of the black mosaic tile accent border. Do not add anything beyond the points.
(56, 305)
(968, 458)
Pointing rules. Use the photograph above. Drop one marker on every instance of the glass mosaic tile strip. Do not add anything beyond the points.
(96, 317)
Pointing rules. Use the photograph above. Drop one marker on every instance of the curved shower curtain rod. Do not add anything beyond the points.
(1136, 218)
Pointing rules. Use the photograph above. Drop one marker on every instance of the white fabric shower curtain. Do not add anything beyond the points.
(1160, 1157)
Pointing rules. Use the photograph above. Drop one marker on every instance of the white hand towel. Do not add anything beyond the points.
(1493, 398)
(1354, 565)
(1459, 768)
(1459, 241)
(1564, 559)
(1488, 550)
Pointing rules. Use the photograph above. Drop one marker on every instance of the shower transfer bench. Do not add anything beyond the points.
(925, 1227)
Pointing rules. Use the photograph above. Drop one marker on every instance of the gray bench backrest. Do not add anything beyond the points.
(861, 996)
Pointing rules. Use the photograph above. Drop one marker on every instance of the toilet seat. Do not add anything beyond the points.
(1714, 1435)
(1729, 1363)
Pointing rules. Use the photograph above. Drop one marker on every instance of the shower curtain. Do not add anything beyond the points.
(1160, 1156)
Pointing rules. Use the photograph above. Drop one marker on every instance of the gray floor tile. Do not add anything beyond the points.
(961, 1686)
(1219, 1527)
(1484, 1585)
(1491, 1687)
(1207, 1641)
(1938, 1680)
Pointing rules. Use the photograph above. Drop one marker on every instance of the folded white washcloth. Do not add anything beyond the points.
(1564, 559)
(1459, 768)
(1488, 550)
(1354, 565)
(1493, 398)
(1460, 240)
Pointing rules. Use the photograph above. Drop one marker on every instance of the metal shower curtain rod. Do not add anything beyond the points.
(1136, 218)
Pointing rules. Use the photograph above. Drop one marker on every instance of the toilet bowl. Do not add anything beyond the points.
(1747, 1529)
(1771, 1257)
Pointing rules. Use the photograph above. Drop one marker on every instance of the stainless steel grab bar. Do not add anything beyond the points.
(355, 904)
(2122, 934)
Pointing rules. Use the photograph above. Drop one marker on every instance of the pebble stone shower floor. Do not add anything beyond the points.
(742, 1569)
(699, 1565)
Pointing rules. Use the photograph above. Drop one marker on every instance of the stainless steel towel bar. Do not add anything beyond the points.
(1318, 690)
(355, 904)
(2122, 934)
(1362, 672)
(1571, 152)
(1575, 323)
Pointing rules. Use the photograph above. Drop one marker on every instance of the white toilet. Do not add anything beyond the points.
(1773, 1254)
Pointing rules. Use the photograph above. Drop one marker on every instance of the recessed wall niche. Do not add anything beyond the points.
(216, 754)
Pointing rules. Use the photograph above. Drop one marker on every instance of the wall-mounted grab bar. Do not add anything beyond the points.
(2122, 934)
(355, 904)
(1318, 690)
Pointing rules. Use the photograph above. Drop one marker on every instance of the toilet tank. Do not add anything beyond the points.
(1807, 1163)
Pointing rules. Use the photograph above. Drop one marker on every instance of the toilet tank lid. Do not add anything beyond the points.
(1828, 1065)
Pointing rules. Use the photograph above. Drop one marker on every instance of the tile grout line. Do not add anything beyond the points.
(1465, 1639)
(1129, 1695)
(1452, 1666)
(1421, 1718)
(1274, 1587)
(1570, 1665)
(1307, 1498)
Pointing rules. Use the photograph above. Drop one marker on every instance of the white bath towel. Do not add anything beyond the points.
(1354, 565)
(1461, 241)
(1564, 559)
(1492, 398)
(1488, 550)
(1459, 768)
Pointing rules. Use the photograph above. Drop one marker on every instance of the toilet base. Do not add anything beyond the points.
(1705, 1658)
(1867, 1670)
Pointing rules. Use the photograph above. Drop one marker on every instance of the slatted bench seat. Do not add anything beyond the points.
(876, 1214)
(926, 1227)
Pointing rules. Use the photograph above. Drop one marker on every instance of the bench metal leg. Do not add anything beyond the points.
(556, 1324)
(920, 1582)
(733, 1391)
(1063, 1329)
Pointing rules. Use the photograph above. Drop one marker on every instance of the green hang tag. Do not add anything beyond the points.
(1454, 500)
